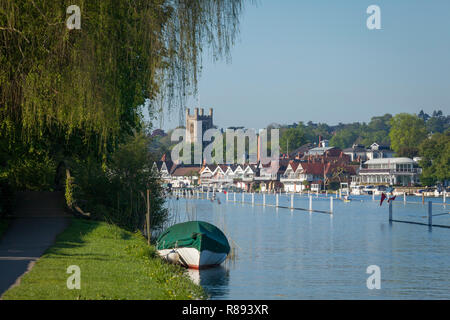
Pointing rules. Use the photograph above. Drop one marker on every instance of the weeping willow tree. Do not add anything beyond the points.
(90, 83)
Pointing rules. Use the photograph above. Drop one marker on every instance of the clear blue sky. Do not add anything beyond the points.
(301, 60)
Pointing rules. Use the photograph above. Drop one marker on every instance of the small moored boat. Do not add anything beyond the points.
(193, 244)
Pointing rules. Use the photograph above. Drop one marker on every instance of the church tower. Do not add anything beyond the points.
(197, 124)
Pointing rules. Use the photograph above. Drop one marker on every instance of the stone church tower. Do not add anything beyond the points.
(197, 124)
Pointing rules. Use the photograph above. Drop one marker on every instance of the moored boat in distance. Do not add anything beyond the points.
(193, 244)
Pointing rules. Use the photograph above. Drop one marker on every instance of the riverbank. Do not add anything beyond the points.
(114, 264)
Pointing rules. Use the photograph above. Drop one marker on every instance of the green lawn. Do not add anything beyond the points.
(114, 264)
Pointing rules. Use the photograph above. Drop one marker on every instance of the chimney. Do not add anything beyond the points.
(187, 112)
(196, 112)
(210, 112)
(258, 155)
(201, 112)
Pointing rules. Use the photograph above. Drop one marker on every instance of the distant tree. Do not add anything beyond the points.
(435, 153)
(424, 116)
(345, 138)
(407, 132)
(438, 122)
(292, 138)
(380, 123)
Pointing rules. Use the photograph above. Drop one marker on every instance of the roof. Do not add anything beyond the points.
(186, 170)
(355, 149)
(389, 160)
(320, 149)
(316, 168)
(302, 149)
(169, 165)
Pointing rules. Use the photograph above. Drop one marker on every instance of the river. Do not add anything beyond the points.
(292, 254)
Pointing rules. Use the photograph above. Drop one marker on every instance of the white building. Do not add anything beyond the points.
(392, 171)
(375, 151)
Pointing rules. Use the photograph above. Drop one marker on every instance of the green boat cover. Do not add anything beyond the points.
(194, 234)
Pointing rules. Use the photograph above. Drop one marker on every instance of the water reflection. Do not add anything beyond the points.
(214, 280)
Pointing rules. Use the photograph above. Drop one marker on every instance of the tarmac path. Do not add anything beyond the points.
(39, 217)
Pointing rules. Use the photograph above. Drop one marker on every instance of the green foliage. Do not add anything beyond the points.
(92, 82)
(437, 122)
(341, 136)
(69, 189)
(34, 171)
(292, 138)
(407, 132)
(116, 192)
(345, 138)
(334, 185)
(435, 153)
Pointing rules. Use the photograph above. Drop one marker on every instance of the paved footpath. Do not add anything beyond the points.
(39, 217)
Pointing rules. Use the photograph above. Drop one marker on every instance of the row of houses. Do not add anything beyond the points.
(286, 175)
(310, 167)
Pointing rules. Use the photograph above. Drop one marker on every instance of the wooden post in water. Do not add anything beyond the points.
(276, 201)
(331, 204)
(390, 211)
(430, 213)
(310, 202)
(253, 198)
(264, 199)
(404, 197)
(444, 196)
(340, 193)
(207, 194)
(148, 217)
(227, 196)
(243, 197)
(292, 201)
(423, 198)
(234, 196)
(373, 195)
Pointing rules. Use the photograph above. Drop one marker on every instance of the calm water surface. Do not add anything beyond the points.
(285, 254)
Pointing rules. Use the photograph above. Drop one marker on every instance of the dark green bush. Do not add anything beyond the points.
(116, 191)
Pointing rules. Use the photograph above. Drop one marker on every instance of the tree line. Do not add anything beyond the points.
(409, 135)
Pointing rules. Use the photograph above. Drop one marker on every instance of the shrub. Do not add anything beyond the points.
(116, 191)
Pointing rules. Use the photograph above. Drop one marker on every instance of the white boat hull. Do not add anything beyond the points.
(192, 258)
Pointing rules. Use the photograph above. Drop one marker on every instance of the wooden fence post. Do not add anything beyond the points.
(331, 204)
(390, 211)
(430, 213)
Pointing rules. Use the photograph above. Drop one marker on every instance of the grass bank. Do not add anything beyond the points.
(114, 264)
